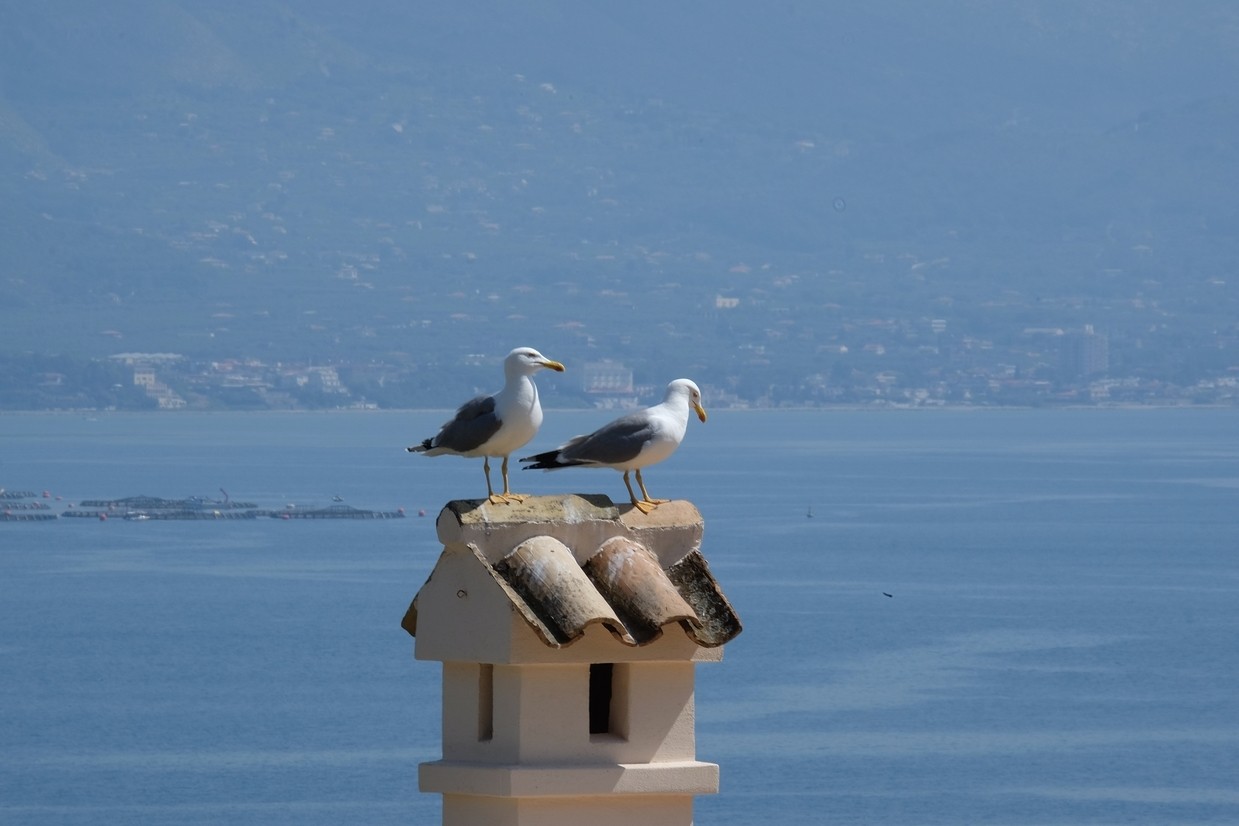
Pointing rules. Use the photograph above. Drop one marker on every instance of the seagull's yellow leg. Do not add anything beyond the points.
(644, 507)
(507, 495)
(490, 492)
(648, 499)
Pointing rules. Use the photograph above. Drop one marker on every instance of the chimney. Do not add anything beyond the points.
(569, 630)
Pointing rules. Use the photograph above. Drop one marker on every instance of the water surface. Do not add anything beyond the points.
(1057, 646)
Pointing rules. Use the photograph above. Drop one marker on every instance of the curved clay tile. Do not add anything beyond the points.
(559, 600)
(692, 578)
(631, 579)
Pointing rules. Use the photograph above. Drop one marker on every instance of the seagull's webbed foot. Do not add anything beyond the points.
(645, 495)
(644, 505)
(507, 497)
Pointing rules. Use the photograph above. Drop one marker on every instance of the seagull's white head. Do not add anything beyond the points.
(527, 361)
(688, 389)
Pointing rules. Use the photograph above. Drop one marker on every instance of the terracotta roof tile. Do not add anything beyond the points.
(554, 594)
(621, 584)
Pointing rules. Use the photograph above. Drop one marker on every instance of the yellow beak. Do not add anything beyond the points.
(701, 412)
(552, 365)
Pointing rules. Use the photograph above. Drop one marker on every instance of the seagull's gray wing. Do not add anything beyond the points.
(473, 424)
(614, 443)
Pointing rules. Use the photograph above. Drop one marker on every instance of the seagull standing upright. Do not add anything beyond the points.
(631, 442)
(496, 425)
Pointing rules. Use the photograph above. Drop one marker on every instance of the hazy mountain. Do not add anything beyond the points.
(288, 180)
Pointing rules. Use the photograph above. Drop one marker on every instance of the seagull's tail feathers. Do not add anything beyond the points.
(551, 460)
(420, 448)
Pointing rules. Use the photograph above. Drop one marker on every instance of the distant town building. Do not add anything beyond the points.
(146, 359)
(1086, 353)
(608, 384)
(327, 379)
(164, 396)
(322, 379)
(144, 376)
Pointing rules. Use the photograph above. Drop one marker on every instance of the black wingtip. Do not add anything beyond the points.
(548, 461)
(542, 461)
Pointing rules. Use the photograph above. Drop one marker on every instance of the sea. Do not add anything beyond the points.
(950, 616)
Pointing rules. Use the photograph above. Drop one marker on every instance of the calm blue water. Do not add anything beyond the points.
(1059, 646)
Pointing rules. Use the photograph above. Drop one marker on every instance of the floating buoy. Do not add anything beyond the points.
(421, 512)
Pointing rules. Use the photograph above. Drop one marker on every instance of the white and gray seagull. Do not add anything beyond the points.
(496, 425)
(631, 442)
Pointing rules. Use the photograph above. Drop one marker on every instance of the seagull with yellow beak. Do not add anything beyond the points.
(496, 425)
(631, 442)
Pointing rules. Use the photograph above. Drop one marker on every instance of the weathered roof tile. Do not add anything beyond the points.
(635, 577)
(556, 597)
(628, 576)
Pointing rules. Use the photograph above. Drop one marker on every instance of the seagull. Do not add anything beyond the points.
(631, 442)
(498, 424)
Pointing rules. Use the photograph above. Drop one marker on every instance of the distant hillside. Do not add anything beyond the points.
(310, 181)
